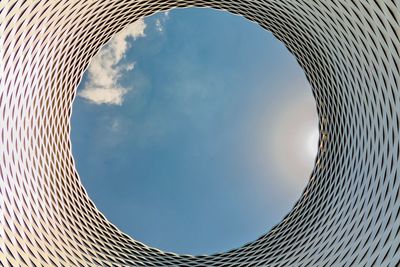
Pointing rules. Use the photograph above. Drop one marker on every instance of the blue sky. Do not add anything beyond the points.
(184, 128)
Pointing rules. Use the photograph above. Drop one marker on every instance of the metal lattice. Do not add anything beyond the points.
(348, 215)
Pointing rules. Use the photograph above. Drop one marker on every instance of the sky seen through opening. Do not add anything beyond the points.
(194, 131)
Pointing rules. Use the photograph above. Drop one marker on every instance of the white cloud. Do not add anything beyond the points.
(105, 69)
(161, 21)
(159, 27)
(130, 67)
(110, 96)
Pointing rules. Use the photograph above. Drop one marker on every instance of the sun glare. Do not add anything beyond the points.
(312, 143)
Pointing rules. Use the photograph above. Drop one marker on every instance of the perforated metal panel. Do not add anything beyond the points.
(348, 215)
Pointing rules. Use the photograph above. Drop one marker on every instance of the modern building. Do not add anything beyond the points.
(349, 213)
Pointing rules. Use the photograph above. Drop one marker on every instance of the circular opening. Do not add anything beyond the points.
(194, 131)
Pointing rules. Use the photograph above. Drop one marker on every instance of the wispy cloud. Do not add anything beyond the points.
(105, 69)
(160, 22)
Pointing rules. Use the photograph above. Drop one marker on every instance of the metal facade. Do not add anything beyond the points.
(348, 215)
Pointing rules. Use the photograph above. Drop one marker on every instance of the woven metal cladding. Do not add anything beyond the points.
(348, 215)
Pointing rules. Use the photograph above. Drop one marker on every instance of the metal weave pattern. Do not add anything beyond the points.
(349, 213)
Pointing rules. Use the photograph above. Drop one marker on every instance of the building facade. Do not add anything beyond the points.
(349, 213)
